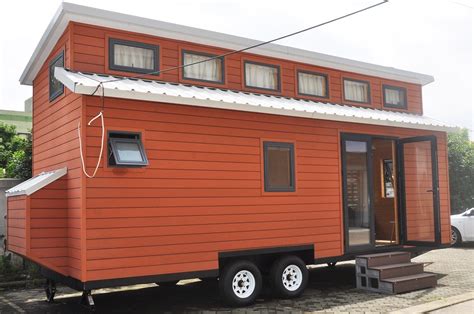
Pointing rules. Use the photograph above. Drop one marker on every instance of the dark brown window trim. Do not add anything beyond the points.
(55, 94)
(369, 102)
(113, 66)
(278, 89)
(122, 136)
(291, 146)
(326, 77)
(399, 88)
(205, 54)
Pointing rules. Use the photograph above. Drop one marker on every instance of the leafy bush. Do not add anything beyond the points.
(461, 170)
(15, 153)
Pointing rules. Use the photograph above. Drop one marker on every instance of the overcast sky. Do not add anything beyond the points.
(428, 36)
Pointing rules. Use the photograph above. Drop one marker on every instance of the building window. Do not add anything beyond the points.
(125, 149)
(209, 71)
(395, 97)
(132, 56)
(312, 84)
(56, 88)
(279, 167)
(262, 76)
(357, 91)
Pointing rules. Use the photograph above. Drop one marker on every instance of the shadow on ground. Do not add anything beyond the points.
(326, 289)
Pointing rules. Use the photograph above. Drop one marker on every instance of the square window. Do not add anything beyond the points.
(262, 76)
(394, 97)
(132, 56)
(357, 91)
(312, 84)
(56, 88)
(126, 149)
(209, 71)
(279, 167)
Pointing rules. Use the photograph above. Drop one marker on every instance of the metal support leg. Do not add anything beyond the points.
(87, 300)
(50, 289)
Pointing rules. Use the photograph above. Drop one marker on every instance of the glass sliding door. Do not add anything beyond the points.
(357, 183)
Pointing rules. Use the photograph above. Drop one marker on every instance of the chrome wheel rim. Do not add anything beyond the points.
(292, 277)
(243, 284)
(454, 236)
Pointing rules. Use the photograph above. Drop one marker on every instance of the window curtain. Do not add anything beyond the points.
(311, 84)
(210, 70)
(261, 76)
(356, 91)
(134, 57)
(393, 97)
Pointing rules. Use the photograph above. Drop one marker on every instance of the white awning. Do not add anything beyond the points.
(36, 183)
(147, 90)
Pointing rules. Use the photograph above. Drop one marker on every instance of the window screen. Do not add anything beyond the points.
(56, 88)
(312, 84)
(211, 71)
(279, 167)
(395, 97)
(126, 149)
(132, 56)
(262, 76)
(356, 91)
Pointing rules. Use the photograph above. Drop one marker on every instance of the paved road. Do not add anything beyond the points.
(329, 290)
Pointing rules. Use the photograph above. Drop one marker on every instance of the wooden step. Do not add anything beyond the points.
(408, 283)
(380, 259)
(395, 270)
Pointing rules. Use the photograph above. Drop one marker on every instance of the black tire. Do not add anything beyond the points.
(167, 283)
(456, 238)
(229, 279)
(282, 287)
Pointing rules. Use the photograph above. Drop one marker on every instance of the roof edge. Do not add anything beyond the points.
(68, 12)
(88, 87)
(55, 174)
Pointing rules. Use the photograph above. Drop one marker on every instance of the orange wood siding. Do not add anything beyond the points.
(56, 209)
(17, 224)
(55, 236)
(202, 192)
(90, 54)
(418, 180)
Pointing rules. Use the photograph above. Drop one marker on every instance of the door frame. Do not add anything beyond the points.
(435, 190)
(368, 139)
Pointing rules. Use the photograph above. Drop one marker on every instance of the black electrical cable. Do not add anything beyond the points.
(249, 47)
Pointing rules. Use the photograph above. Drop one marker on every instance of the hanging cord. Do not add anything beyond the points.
(221, 56)
(101, 115)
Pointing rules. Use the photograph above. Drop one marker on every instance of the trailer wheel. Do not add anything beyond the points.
(240, 283)
(289, 276)
(50, 289)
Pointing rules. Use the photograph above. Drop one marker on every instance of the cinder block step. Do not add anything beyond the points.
(408, 283)
(395, 270)
(380, 259)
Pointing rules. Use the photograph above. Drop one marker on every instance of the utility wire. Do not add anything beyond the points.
(247, 48)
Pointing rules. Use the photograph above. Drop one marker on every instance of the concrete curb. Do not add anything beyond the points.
(436, 305)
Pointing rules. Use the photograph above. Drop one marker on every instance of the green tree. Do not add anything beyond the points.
(461, 170)
(15, 153)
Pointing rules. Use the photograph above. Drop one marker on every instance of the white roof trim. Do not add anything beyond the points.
(36, 183)
(180, 94)
(72, 12)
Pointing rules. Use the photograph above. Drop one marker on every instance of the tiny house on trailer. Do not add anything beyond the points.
(261, 162)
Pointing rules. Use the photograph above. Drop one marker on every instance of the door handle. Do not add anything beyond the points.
(429, 191)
